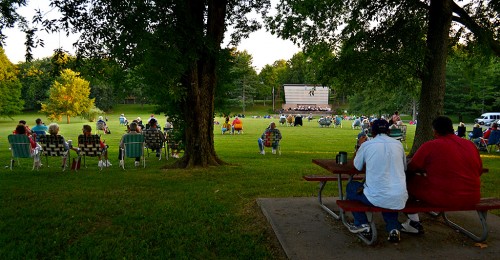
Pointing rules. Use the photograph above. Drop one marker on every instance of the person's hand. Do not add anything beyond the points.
(362, 139)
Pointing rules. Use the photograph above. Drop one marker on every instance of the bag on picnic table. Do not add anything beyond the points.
(76, 164)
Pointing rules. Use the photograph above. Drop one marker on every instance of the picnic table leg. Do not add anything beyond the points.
(322, 185)
(482, 218)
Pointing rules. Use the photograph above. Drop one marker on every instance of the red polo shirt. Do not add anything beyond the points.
(453, 167)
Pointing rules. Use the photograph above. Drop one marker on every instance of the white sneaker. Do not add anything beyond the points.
(137, 163)
(274, 151)
(108, 163)
(100, 164)
(263, 152)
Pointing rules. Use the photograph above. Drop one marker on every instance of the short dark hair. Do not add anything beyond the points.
(22, 122)
(20, 129)
(38, 121)
(133, 126)
(494, 125)
(87, 128)
(153, 122)
(443, 125)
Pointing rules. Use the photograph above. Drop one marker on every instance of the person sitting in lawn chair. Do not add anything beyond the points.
(102, 126)
(225, 127)
(270, 138)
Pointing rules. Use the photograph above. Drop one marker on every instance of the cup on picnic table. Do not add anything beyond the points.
(341, 158)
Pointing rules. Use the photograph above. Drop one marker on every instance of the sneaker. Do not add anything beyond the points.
(359, 229)
(107, 164)
(263, 152)
(100, 164)
(394, 236)
(137, 163)
(413, 227)
(274, 151)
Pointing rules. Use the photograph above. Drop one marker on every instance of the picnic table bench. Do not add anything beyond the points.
(348, 172)
(412, 206)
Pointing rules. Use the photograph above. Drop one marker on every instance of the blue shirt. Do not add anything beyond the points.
(385, 160)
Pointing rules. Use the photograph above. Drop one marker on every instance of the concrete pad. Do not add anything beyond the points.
(306, 231)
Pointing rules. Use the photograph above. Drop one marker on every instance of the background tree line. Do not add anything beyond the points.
(472, 83)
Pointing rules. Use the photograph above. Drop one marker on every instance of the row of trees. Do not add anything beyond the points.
(174, 47)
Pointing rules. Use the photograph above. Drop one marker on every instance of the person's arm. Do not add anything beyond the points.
(359, 154)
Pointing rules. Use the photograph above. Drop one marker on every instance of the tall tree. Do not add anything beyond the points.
(69, 95)
(178, 44)
(381, 28)
(10, 88)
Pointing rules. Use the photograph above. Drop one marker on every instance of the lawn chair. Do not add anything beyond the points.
(37, 135)
(154, 140)
(100, 126)
(270, 140)
(461, 130)
(477, 132)
(20, 147)
(324, 122)
(53, 146)
(493, 140)
(90, 146)
(337, 122)
(172, 144)
(133, 147)
(356, 123)
(225, 128)
(399, 133)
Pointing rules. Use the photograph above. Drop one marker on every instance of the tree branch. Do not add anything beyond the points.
(483, 34)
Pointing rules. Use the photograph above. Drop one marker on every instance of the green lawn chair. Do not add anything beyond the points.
(20, 147)
(133, 147)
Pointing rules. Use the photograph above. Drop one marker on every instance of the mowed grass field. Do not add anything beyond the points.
(155, 213)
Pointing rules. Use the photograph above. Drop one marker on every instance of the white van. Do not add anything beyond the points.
(487, 118)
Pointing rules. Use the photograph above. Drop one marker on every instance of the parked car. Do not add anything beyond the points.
(487, 118)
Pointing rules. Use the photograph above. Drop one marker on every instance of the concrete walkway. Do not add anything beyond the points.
(306, 231)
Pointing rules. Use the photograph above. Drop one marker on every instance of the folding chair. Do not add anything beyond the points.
(89, 146)
(461, 131)
(154, 140)
(37, 135)
(133, 147)
(337, 122)
(53, 146)
(493, 140)
(20, 147)
(171, 143)
(270, 140)
(100, 127)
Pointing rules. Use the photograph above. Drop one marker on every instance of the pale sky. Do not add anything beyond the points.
(264, 47)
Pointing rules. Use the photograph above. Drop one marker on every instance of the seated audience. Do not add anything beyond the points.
(101, 125)
(27, 129)
(87, 131)
(35, 148)
(271, 130)
(54, 130)
(133, 129)
(446, 172)
(385, 185)
(153, 127)
(237, 125)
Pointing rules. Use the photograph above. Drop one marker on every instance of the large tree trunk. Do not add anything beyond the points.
(200, 81)
(434, 80)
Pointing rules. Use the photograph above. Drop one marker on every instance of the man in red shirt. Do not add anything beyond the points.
(450, 169)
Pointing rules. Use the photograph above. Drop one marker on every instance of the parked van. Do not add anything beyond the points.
(487, 118)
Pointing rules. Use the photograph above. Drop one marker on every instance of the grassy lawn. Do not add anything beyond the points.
(153, 213)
